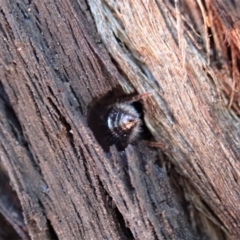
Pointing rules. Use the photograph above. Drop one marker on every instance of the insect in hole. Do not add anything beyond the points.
(118, 123)
(123, 122)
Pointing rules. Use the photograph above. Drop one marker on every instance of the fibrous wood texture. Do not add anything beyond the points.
(54, 65)
(180, 52)
(68, 188)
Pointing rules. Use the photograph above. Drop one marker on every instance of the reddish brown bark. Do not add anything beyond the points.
(56, 180)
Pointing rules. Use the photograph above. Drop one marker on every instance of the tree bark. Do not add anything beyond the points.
(59, 58)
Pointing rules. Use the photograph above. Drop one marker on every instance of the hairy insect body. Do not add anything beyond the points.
(118, 123)
(123, 122)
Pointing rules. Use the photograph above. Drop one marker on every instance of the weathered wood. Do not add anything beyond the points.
(52, 68)
(188, 112)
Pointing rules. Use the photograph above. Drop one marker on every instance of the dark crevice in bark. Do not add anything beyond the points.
(11, 218)
(114, 211)
(51, 232)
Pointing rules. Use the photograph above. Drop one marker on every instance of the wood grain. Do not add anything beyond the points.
(188, 111)
(53, 67)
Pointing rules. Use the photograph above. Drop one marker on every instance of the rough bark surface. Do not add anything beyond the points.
(51, 70)
(57, 182)
(188, 54)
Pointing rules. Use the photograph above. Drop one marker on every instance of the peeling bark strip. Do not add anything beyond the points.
(53, 67)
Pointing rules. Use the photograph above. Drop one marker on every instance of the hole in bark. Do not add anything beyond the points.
(119, 135)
